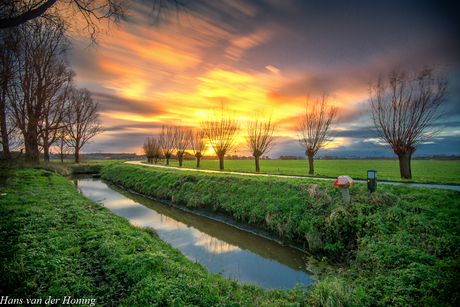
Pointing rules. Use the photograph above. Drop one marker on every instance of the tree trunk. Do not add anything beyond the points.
(156, 160)
(31, 143)
(198, 156)
(77, 155)
(257, 163)
(46, 151)
(62, 152)
(180, 160)
(221, 162)
(3, 128)
(404, 165)
(310, 162)
(404, 153)
(167, 160)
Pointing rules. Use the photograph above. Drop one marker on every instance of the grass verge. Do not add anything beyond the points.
(400, 244)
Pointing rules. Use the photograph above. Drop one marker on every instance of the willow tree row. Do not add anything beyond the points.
(175, 140)
(220, 131)
(38, 97)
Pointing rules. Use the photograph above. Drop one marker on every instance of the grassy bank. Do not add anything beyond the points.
(54, 243)
(64, 169)
(400, 244)
(440, 172)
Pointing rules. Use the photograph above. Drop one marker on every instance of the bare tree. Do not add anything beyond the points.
(166, 139)
(82, 121)
(182, 136)
(151, 149)
(41, 76)
(260, 137)
(52, 121)
(405, 111)
(86, 15)
(61, 144)
(14, 139)
(198, 144)
(221, 129)
(9, 44)
(314, 129)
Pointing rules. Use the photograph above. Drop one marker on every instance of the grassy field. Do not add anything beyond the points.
(397, 247)
(441, 172)
(56, 244)
(401, 244)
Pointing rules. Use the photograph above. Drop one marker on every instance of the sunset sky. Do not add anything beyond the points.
(265, 55)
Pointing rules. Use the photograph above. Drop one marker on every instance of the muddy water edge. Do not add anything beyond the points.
(220, 247)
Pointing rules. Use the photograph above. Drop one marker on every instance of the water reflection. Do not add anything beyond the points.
(221, 248)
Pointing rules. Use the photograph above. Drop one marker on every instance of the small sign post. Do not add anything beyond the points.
(344, 182)
(372, 180)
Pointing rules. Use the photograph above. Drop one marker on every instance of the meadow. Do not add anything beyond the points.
(398, 246)
(441, 172)
(56, 244)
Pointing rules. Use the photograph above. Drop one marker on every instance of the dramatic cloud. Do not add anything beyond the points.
(264, 55)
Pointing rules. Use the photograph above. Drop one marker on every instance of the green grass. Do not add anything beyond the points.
(440, 172)
(401, 244)
(56, 243)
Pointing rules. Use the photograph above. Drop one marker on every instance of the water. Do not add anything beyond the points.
(222, 248)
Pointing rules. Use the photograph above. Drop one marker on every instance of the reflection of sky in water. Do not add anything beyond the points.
(215, 254)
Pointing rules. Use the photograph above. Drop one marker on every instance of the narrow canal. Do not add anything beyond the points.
(221, 248)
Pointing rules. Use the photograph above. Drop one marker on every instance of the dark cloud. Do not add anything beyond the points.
(114, 103)
(123, 142)
(133, 125)
(339, 47)
(355, 134)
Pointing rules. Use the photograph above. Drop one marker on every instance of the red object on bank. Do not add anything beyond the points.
(344, 181)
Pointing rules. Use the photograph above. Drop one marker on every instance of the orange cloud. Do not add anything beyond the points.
(240, 44)
(170, 70)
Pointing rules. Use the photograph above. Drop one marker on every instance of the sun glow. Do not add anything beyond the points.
(170, 76)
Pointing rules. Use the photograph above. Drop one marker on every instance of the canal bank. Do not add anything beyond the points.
(379, 237)
(55, 243)
(221, 248)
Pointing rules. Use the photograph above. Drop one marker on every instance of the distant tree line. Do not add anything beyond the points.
(219, 131)
(39, 100)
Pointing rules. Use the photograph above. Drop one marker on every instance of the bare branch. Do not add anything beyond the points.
(405, 111)
(198, 144)
(221, 129)
(86, 15)
(83, 122)
(151, 148)
(41, 77)
(166, 139)
(260, 137)
(314, 129)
